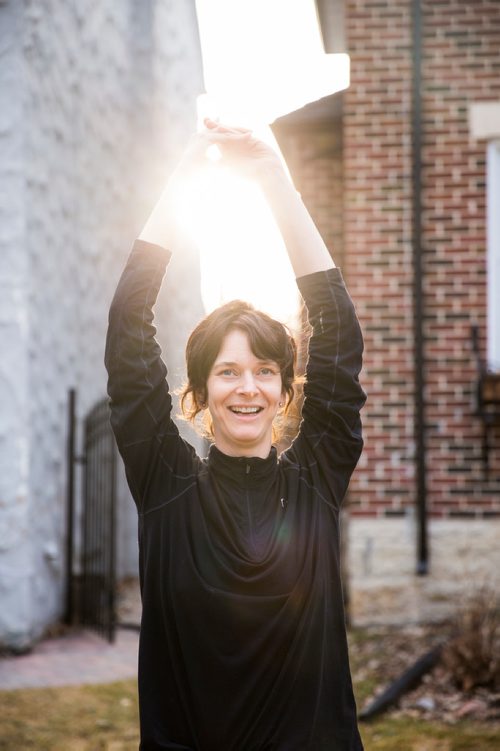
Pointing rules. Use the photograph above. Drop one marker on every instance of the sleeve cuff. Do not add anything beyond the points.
(150, 250)
(310, 282)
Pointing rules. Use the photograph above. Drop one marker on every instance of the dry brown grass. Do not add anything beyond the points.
(472, 656)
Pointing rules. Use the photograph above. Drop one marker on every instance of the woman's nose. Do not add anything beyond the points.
(247, 384)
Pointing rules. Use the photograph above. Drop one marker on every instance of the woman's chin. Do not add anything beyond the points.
(244, 442)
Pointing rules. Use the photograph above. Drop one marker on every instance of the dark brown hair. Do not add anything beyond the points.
(269, 340)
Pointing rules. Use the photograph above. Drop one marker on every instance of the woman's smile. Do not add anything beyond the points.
(246, 411)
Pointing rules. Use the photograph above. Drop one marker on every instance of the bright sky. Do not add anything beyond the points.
(261, 59)
(264, 58)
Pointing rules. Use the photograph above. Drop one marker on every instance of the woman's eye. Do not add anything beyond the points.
(227, 372)
(267, 371)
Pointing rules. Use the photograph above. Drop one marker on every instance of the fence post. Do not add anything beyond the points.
(70, 505)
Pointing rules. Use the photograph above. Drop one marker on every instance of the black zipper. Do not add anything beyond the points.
(249, 514)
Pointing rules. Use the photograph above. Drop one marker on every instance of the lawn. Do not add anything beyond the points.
(403, 734)
(105, 717)
(76, 718)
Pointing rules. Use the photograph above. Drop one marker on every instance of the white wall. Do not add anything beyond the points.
(15, 560)
(97, 99)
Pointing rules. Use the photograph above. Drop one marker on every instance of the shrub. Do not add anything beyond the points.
(473, 654)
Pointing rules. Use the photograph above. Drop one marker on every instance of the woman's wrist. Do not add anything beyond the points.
(274, 181)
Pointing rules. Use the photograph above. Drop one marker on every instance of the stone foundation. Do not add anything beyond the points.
(381, 563)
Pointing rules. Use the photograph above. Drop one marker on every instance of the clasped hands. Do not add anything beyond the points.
(239, 151)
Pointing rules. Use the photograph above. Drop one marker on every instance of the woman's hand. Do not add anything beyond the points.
(242, 152)
(239, 151)
(195, 155)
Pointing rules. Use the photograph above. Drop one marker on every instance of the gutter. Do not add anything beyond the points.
(418, 297)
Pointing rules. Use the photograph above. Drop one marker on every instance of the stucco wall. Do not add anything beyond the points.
(14, 414)
(97, 100)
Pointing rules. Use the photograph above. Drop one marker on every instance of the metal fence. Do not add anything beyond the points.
(95, 605)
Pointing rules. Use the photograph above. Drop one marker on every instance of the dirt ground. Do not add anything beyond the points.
(380, 656)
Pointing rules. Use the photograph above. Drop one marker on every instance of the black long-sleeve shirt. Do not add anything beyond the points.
(243, 644)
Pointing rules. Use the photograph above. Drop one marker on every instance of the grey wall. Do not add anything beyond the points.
(96, 100)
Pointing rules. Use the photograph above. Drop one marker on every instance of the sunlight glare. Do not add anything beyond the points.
(242, 253)
(264, 59)
(261, 60)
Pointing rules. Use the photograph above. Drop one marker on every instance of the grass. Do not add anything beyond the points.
(403, 734)
(105, 718)
(75, 718)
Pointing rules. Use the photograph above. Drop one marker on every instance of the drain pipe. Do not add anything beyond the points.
(408, 680)
(418, 301)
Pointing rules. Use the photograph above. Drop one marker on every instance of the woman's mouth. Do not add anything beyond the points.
(245, 410)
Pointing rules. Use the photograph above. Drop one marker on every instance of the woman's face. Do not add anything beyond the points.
(244, 395)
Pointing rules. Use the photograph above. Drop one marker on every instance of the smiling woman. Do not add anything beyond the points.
(243, 644)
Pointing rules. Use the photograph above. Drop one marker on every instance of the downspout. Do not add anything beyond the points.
(418, 301)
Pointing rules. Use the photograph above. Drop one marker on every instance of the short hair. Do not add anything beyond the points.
(268, 339)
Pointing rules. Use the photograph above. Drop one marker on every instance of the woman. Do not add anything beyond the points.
(243, 644)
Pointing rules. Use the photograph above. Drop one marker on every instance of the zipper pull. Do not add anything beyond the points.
(248, 469)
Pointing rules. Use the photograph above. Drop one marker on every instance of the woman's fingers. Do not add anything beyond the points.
(200, 141)
(227, 135)
(215, 125)
(237, 148)
(209, 123)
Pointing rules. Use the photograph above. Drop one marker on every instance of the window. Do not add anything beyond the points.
(493, 245)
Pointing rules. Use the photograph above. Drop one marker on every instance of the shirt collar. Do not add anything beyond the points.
(241, 468)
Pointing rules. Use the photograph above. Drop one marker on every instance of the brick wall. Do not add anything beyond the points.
(460, 65)
(355, 174)
(377, 209)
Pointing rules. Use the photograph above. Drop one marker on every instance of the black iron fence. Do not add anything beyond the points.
(91, 592)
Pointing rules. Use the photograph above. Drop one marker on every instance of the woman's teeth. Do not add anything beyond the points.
(246, 410)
